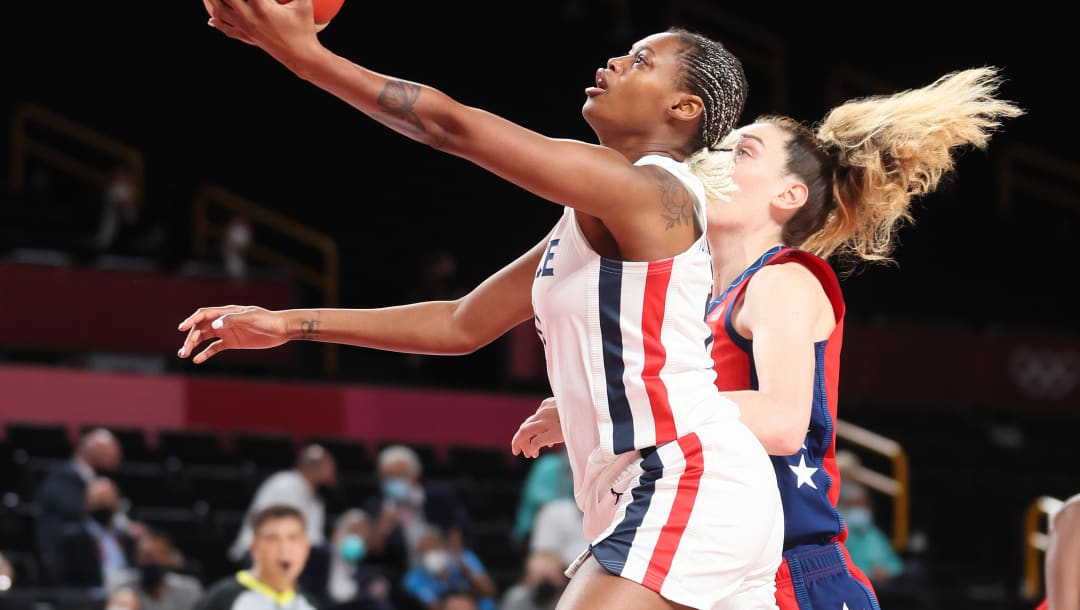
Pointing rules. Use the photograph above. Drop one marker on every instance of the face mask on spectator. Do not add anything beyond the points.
(103, 515)
(151, 575)
(544, 593)
(352, 548)
(859, 517)
(436, 561)
(396, 488)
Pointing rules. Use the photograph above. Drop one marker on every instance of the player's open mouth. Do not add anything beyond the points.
(601, 84)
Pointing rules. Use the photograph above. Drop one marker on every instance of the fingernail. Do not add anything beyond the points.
(180, 352)
(216, 324)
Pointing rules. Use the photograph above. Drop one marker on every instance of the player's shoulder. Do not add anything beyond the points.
(798, 266)
(783, 276)
(221, 595)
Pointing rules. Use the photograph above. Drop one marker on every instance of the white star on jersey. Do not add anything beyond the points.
(804, 473)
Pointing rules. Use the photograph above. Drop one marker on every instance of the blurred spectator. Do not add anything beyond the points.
(559, 529)
(1062, 561)
(7, 574)
(61, 497)
(123, 598)
(234, 247)
(159, 584)
(305, 487)
(124, 228)
(97, 552)
(446, 567)
(902, 580)
(119, 211)
(279, 552)
(458, 600)
(549, 478)
(405, 505)
(871, 550)
(353, 584)
(542, 582)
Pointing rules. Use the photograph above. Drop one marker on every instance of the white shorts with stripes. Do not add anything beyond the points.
(697, 520)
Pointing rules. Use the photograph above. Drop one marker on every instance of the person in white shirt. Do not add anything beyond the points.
(302, 487)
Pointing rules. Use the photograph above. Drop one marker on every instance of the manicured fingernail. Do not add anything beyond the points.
(216, 324)
(180, 352)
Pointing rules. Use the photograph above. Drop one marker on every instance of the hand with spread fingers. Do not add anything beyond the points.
(232, 327)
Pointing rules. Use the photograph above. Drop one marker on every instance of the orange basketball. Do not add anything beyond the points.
(325, 10)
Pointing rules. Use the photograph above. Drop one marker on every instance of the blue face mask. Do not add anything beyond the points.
(352, 548)
(859, 517)
(396, 488)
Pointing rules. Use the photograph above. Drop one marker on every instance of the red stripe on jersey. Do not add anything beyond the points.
(652, 319)
(672, 532)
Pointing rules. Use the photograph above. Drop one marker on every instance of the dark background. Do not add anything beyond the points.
(208, 110)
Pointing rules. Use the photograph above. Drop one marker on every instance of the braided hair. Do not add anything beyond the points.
(711, 72)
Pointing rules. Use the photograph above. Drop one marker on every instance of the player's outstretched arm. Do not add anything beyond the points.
(559, 170)
(435, 327)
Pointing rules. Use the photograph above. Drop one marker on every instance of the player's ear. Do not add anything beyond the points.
(686, 107)
(792, 197)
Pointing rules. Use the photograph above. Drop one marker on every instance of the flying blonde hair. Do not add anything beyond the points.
(890, 149)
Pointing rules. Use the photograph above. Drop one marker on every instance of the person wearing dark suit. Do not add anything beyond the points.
(97, 551)
(60, 497)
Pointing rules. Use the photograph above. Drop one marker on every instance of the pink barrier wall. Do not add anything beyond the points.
(75, 398)
(952, 365)
(71, 308)
(370, 414)
(879, 363)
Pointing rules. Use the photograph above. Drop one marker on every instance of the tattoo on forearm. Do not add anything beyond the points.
(398, 99)
(309, 329)
(677, 206)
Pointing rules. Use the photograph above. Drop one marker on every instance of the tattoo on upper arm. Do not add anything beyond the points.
(309, 329)
(677, 205)
(399, 98)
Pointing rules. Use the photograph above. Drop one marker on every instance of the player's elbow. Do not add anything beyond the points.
(466, 339)
(784, 443)
(466, 343)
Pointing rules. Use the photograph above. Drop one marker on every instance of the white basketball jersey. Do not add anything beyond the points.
(626, 343)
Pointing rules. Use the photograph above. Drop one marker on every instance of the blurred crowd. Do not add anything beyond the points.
(410, 545)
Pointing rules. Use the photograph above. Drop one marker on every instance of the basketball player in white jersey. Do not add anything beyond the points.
(679, 496)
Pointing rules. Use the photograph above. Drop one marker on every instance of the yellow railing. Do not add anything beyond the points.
(25, 146)
(897, 486)
(324, 277)
(1035, 541)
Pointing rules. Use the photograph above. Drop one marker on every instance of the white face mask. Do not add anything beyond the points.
(436, 561)
(240, 235)
(120, 192)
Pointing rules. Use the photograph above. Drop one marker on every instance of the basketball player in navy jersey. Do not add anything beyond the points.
(678, 495)
(804, 196)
